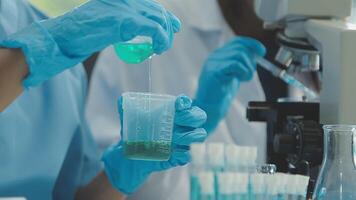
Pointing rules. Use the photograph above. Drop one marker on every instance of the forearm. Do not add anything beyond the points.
(99, 189)
(13, 69)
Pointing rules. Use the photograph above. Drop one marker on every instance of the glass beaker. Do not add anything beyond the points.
(148, 125)
(337, 177)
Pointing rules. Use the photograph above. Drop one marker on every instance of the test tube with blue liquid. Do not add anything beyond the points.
(226, 184)
(241, 186)
(297, 187)
(216, 161)
(259, 188)
(198, 164)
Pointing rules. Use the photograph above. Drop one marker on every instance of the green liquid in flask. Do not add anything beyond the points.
(140, 150)
(134, 53)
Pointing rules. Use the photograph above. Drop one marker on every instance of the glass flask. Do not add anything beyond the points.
(140, 48)
(135, 51)
(337, 177)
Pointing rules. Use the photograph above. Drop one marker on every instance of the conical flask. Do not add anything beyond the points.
(337, 177)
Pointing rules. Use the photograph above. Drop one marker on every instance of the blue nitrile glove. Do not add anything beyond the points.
(53, 45)
(127, 175)
(221, 76)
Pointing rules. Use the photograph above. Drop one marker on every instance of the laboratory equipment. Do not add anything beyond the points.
(258, 186)
(281, 189)
(141, 47)
(216, 156)
(199, 156)
(267, 169)
(135, 51)
(287, 78)
(233, 157)
(296, 187)
(337, 178)
(127, 175)
(233, 186)
(265, 184)
(272, 185)
(207, 184)
(250, 157)
(312, 37)
(266, 181)
(240, 158)
(231, 166)
(148, 125)
(302, 187)
(240, 184)
(198, 164)
(226, 185)
(216, 161)
(240, 179)
(294, 141)
(279, 186)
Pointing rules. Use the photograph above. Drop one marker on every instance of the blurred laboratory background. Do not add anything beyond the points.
(56, 7)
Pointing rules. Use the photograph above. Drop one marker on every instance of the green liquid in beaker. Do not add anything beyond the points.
(159, 151)
(133, 53)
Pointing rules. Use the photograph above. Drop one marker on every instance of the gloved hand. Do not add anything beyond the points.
(221, 75)
(127, 175)
(53, 45)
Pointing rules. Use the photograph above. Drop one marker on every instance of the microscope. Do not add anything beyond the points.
(314, 36)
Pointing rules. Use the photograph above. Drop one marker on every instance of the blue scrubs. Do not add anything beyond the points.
(46, 149)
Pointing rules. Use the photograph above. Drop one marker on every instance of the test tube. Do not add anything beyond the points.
(281, 178)
(301, 188)
(198, 164)
(273, 184)
(233, 157)
(258, 191)
(199, 156)
(296, 187)
(241, 185)
(216, 160)
(226, 185)
(206, 182)
(251, 159)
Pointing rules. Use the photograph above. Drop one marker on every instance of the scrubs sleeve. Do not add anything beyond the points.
(82, 162)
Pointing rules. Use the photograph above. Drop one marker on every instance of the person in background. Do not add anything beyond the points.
(213, 60)
(46, 148)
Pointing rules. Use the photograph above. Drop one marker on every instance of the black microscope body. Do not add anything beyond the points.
(294, 136)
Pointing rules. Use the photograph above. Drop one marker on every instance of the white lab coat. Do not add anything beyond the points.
(175, 72)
